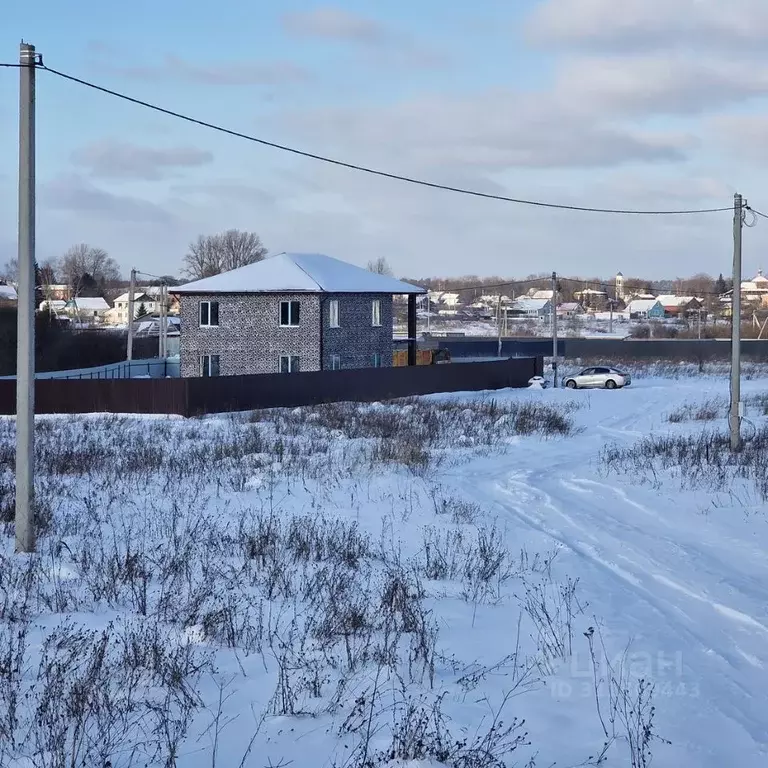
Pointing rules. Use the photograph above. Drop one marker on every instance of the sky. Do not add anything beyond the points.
(643, 104)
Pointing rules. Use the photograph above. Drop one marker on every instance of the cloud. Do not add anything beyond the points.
(484, 133)
(227, 191)
(229, 73)
(112, 159)
(384, 46)
(330, 23)
(650, 24)
(744, 136)
(656, 84)
(74, 194)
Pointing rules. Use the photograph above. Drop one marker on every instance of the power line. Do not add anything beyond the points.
(485, 286)
(372, 171)
(612, 286)
(758, 213)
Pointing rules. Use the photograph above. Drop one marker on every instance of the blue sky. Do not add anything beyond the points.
(646, 103)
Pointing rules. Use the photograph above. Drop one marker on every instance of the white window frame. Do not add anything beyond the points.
(335, 362)
(333, 313)
(209, 304)
(376, 313)
(206, 365)
(377, 359)
(290, 359)
(290, 303)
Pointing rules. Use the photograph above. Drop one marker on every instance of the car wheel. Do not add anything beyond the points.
(571, 384)
(610, 384)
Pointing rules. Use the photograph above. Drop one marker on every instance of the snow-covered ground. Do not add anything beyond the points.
(499, 579)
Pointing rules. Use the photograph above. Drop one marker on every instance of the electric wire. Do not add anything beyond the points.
(368, 170)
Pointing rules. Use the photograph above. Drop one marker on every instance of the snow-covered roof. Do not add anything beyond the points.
(137, 296)
(590, 292)
(8, 293)
(548, 294)
(568, 305)
(529, 305)
(299, 272)
(668, 300)
(90, 304)
(641, 305)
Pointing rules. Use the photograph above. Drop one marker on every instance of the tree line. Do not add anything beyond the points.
(90, 271)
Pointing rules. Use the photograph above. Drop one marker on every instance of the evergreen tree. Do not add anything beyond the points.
(142, 311)
(720, 284)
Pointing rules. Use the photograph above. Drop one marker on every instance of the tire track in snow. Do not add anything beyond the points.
(675, 616)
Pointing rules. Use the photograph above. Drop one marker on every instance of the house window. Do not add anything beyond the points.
(376, 312)
(209, 314)
(334, 313)
(209, 365)
(335, 362)
(289, 363)
(289, 313)
(376, 360)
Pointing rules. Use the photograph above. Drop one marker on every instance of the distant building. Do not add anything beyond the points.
(118, 315)
(620, 291)
(570, 309)
(679, 306)
(288, 313)
(8, 297)
(754, 292)
(56, 291)
(645, 309)
(530, 308)
(87, 310)
(592, 299)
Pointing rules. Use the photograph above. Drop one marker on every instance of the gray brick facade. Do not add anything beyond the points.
(249, 338)
(356, 340)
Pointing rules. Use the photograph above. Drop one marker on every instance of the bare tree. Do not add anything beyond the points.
(81, 260)
(380, 266)
(48, 272)
(213, 254)
(10, 271)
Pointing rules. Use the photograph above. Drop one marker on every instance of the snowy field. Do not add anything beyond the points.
(523, 578)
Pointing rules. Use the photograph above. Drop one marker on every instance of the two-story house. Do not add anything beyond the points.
(119, 312)
(288, 313)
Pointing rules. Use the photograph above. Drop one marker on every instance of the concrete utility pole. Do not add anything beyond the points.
(131, 290)
(163, 322)
(734, 417)
(25, 352)
(610, 316)
(554, 329)
(498, 324)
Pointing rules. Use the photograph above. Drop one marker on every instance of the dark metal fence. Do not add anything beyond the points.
(662, 349)
(191, 397)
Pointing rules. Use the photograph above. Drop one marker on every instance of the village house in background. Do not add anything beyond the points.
(754, 294)
(530, 308)
(288, 313)
(87, 311)
(8, 297)
(118, 315)
(680, 306)
(645, 309)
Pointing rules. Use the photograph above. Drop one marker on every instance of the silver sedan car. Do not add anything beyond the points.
(603, 378)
